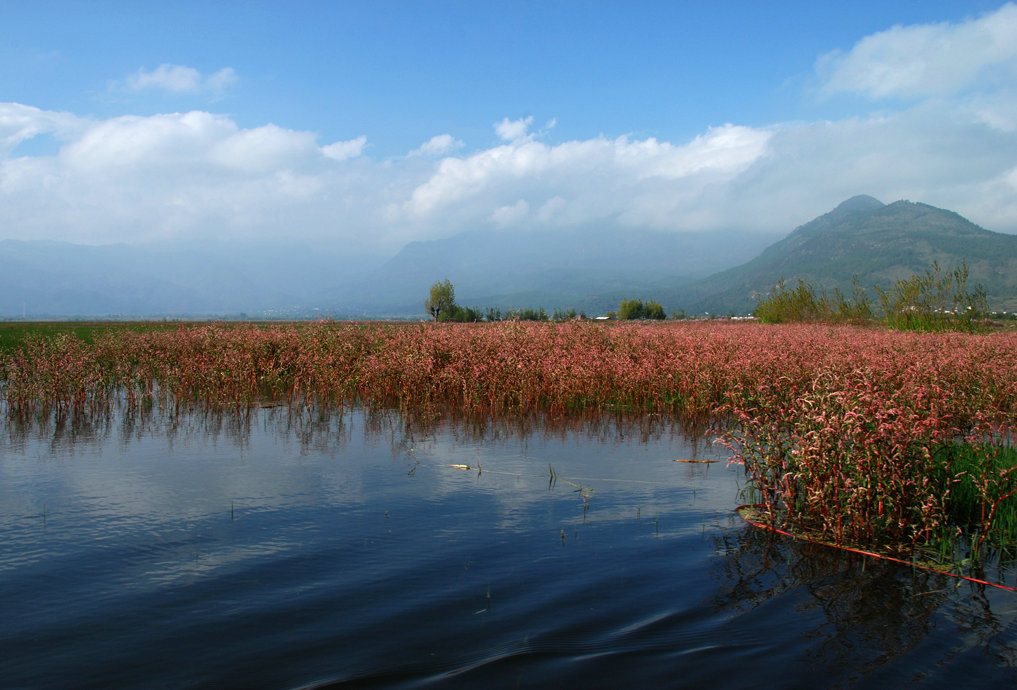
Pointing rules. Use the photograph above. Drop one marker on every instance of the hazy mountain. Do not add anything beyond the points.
(582, 268)
(879, 243)
(54, 279)
(588, 269)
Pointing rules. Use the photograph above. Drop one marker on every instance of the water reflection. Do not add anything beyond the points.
(863, 618)
(316, 427)
(317, 546)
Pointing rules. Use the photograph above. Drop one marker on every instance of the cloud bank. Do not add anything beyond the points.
(928, 60)
(942, 129)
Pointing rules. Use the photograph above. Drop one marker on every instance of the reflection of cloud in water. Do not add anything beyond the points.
(181, 528)
(626, 469)
(175, 480)
(167, 481)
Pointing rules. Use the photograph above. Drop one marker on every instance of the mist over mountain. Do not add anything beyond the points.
(573, 268)
(44, 279)
(588, 269)
(582, 268)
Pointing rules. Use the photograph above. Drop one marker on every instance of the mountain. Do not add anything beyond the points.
(879, 243)
(585, 268)
(589, 269)
(43, 279)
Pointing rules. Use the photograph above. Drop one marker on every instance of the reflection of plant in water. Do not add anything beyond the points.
(319, 431)
(585, 491)
(865, 614)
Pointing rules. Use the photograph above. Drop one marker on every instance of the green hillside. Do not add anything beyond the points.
(879, 243)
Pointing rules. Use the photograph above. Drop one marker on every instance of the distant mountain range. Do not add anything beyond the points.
(59, 279)
(587, 269)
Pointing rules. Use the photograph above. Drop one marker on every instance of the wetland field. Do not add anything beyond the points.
(508, 505)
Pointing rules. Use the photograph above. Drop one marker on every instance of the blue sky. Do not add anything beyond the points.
(376, 123)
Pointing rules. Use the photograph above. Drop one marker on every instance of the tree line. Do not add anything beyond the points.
(441, 305)
(935, 300)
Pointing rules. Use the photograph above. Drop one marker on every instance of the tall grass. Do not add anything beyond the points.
(785, 305)
(936, 300)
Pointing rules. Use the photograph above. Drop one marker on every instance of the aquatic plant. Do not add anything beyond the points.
(859, 434)
(493, 369)
(900, 454)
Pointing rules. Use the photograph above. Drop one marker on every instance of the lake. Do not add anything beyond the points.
(276, 550)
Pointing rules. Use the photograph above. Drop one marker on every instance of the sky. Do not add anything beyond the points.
(366, 125)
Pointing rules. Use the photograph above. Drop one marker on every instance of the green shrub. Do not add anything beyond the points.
(632, 309)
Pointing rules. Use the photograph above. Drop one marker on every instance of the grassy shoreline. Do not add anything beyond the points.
(858, 434)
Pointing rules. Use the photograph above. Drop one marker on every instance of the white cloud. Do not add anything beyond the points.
(131, 143)
(198, 175)
(20, 123)
(342, 150)
(512, 130)
(929, 59)
(179, 79)
(929, 154)
(181, 175)
(438, 146)
(506, 216)
(264, 149)
(597, 176)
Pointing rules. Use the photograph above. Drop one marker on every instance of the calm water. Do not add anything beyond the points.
(282, 552)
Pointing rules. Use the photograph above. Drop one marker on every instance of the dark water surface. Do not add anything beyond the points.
(281, 552)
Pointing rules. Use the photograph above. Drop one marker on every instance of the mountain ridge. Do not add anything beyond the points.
(588, 269)
(878, 245)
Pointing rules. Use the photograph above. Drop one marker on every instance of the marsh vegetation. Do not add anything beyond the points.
(897, 440)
